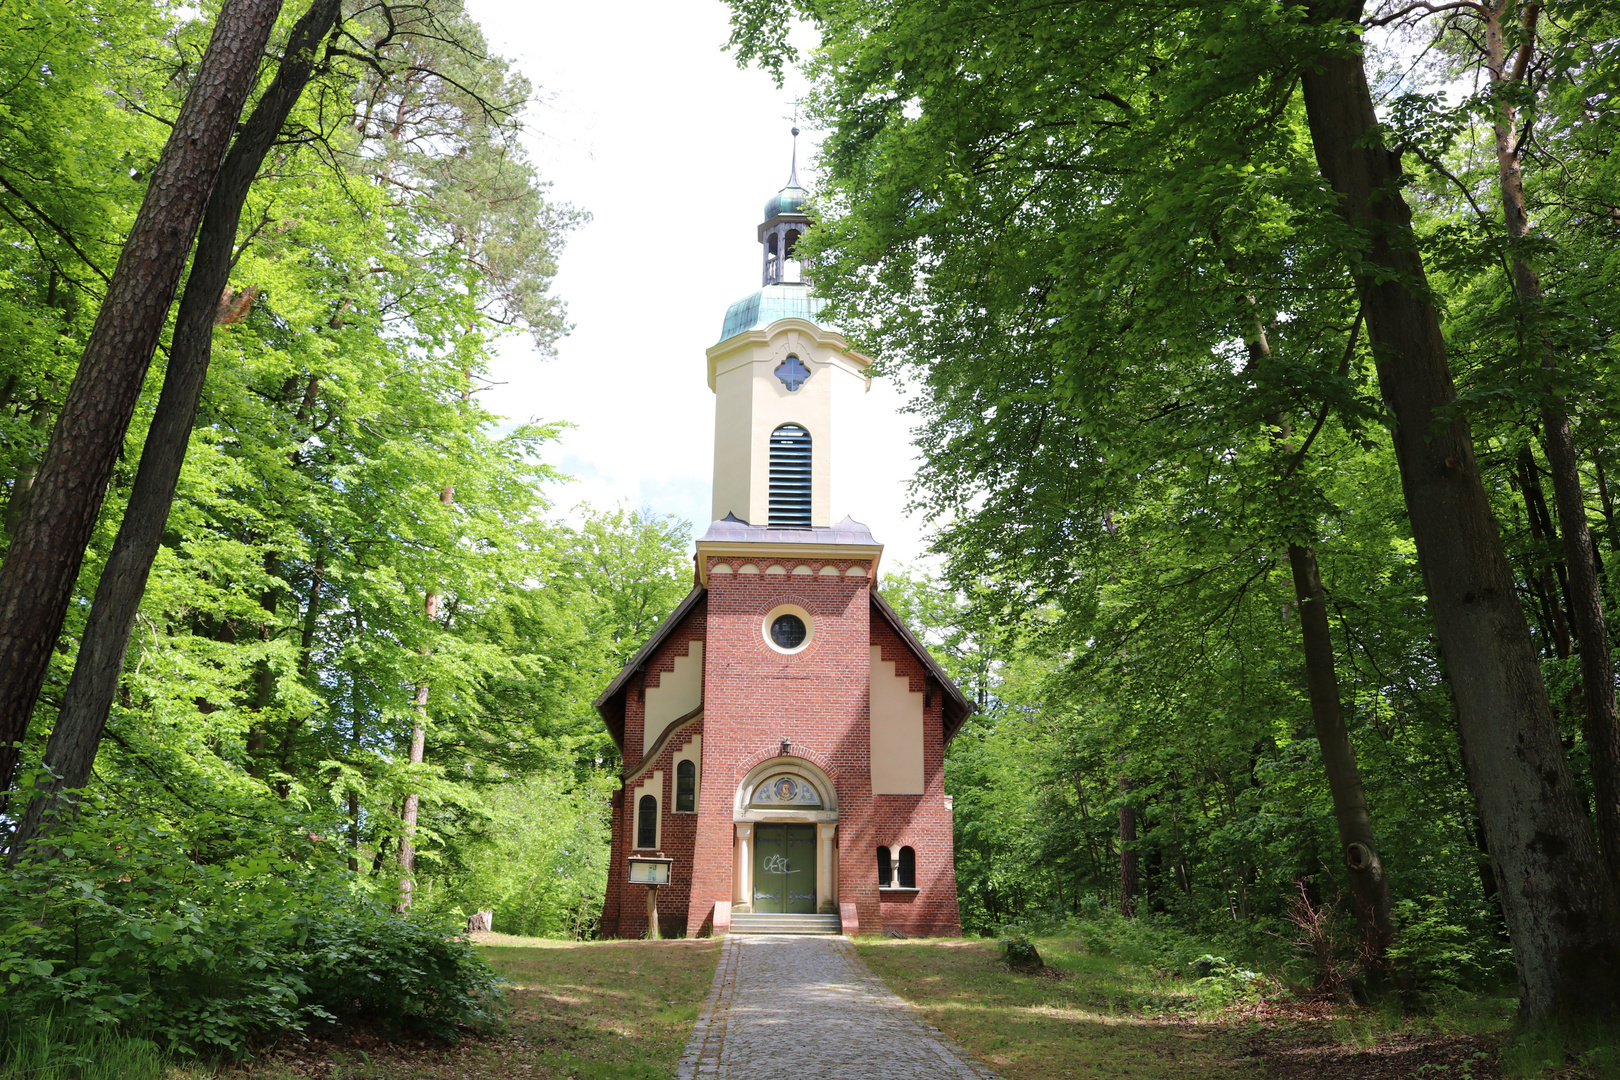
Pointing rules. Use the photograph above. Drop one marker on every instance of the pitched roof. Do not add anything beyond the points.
(665, 628)
(957, 706)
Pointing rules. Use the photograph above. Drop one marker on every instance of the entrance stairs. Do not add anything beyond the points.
(757, 923)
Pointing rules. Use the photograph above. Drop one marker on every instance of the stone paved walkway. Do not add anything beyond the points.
(808, 1008)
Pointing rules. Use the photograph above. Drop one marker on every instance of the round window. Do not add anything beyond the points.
(788, 628)
(787, 631)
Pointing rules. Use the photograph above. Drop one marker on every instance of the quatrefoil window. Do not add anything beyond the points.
(792, 372)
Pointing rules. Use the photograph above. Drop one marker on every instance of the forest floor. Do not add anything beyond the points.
(599, 1010)
(1085, 1015)
(622, 1010)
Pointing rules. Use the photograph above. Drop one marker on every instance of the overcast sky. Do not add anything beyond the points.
(643, 121)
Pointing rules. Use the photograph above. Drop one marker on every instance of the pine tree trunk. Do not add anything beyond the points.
(1601, 722)
(88, 699)
(42, 565)
(1558, 907)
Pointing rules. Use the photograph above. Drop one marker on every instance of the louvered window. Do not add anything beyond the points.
(790, 477)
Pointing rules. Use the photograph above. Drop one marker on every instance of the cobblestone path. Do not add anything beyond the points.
(807, 1008)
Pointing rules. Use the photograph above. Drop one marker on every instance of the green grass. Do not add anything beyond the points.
(1098, 1016)
(603, 1010)
(44, 1050)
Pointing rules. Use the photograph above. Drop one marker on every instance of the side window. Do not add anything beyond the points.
(686, 787)
(908, 868)
(647, 822)
(885, 874)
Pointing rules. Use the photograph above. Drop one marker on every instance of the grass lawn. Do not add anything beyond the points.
(603, 1010)
(1109, 1016)
(1089, 1016)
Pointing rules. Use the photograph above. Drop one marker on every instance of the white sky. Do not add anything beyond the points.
(646, 123)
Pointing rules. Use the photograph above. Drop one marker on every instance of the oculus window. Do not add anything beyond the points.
(788, 628)
(788, 631)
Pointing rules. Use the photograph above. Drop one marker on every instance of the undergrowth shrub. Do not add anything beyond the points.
(1436, 951)
(121, 929)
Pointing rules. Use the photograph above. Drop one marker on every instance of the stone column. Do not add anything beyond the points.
(826, 887)
(743, 871)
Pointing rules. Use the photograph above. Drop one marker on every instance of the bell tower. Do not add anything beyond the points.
(788, 389)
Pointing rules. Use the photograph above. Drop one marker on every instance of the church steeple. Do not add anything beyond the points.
(787, 392)
(785, 222)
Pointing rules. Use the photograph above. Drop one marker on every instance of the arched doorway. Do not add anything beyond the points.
(785, 852)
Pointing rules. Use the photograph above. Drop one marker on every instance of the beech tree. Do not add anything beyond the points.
(1039, 210)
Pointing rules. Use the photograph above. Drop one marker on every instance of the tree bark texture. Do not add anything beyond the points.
(42, 565)
(1364, 866)
(407, 817)
(1535, 516)
(1369, 888)
(1558, 907)
(1127, 850)
(1601, 721)
(85, 706)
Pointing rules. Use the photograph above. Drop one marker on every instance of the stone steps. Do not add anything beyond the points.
(757, 923)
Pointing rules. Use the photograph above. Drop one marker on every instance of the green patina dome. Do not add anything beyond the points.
(790, 200)
(770, 304)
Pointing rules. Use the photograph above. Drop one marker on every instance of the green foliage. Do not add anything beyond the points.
(120, 927)
(1017, 951)
(358, 548)
(43, 1048)
(540, 862)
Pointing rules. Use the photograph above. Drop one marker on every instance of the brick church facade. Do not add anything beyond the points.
(783, 732)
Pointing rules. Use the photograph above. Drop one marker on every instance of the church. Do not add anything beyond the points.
(783, 732)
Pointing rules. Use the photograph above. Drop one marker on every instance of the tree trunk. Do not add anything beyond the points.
(42, 565)
(1600, 720)
(1127, 850)
(1558, 907)
(407, 817)
(85, 705)
(1535, 514)
(1369, 888)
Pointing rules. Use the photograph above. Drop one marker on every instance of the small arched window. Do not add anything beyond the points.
(647, 822)
(908, 868)
(885, 870)
(790, 477)
(686, 787)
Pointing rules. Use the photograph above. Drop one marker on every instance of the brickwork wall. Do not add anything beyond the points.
(921, 822)
(624, 908)
(754, 697)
